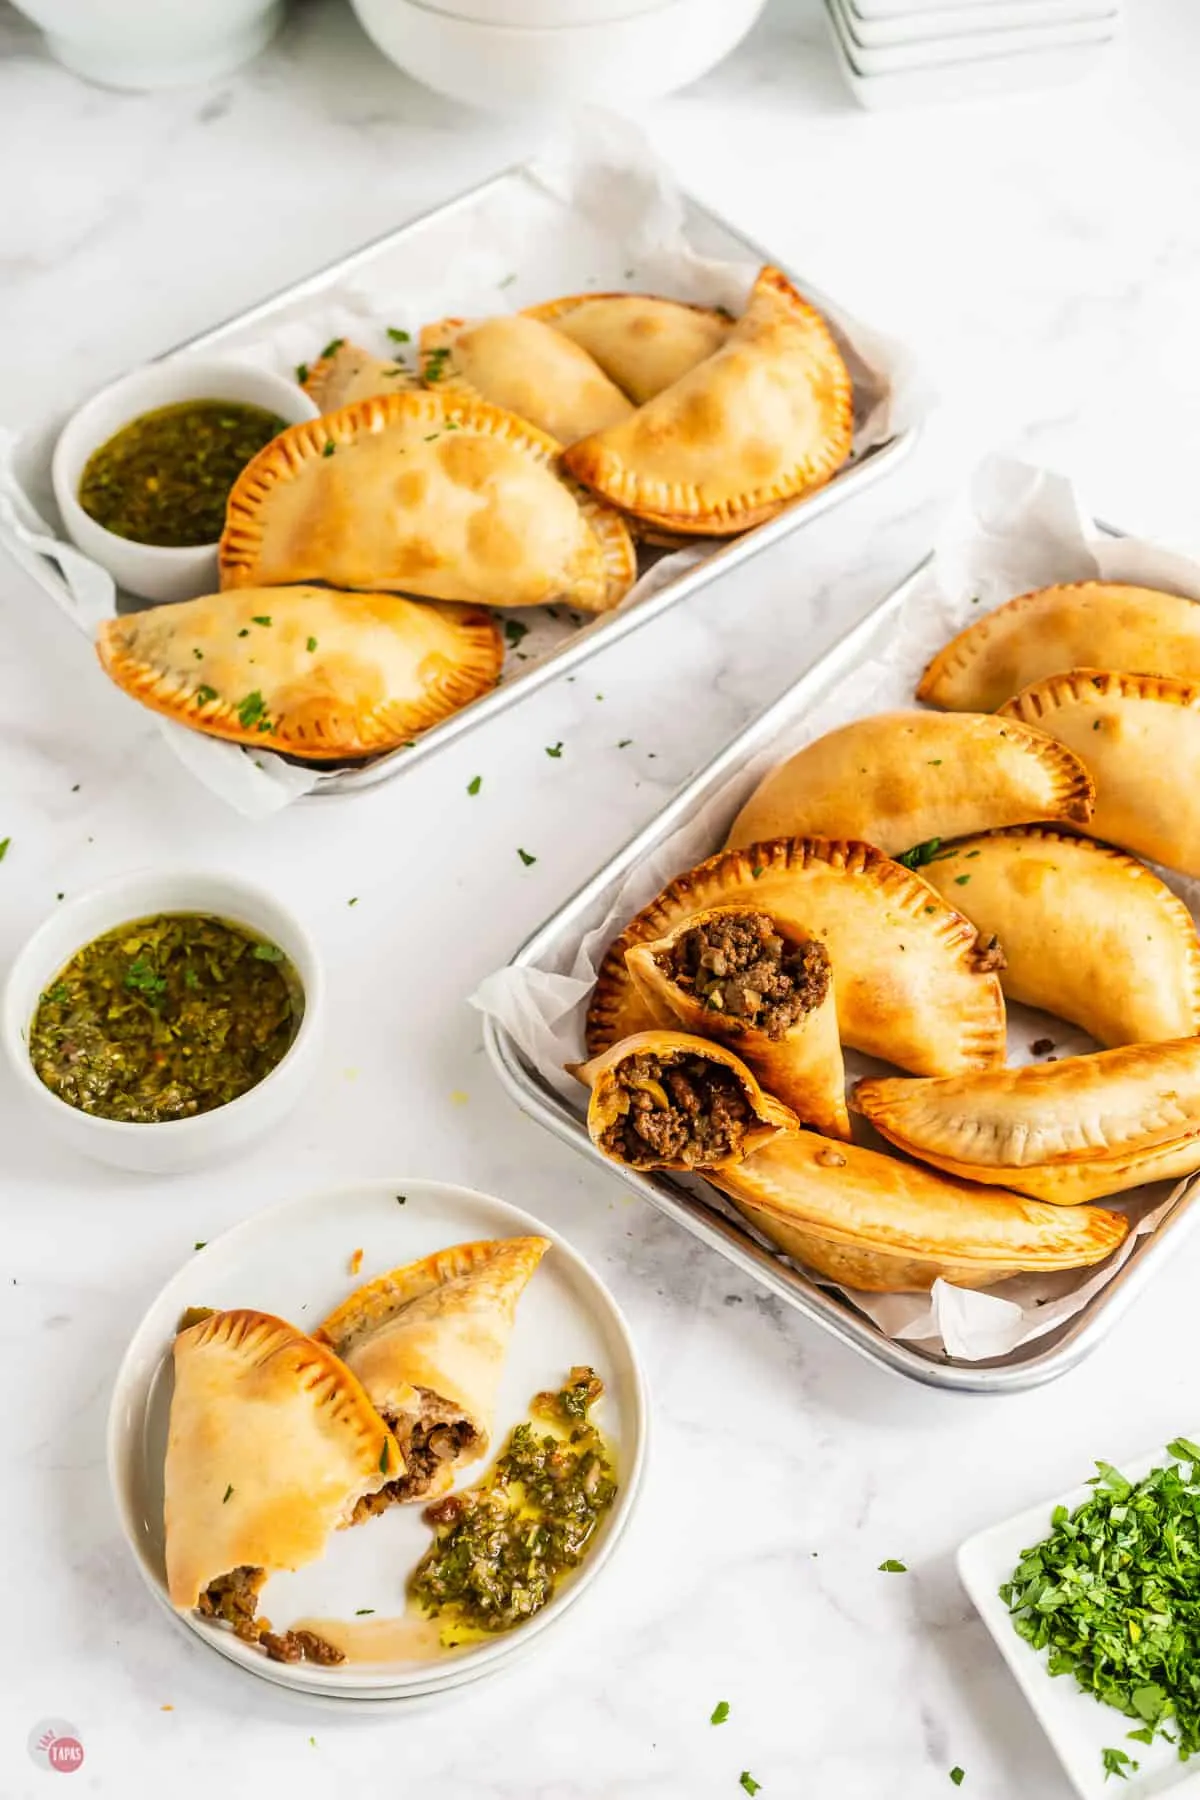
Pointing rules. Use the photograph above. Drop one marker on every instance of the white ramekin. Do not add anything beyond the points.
(174, 1144)
(153, 571)
(143, 44)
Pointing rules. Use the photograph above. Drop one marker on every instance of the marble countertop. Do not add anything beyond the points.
(1043, 256)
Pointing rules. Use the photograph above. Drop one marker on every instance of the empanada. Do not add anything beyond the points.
(740, 977)
(416, 494)
(880, 1225)
(643, 343)
(304, 670)
(526, 367)
(899, 779)
(663, 1099)
(1140, 738)
(346, 374)
(1071, 1115)
(1089, 934)
(767, 417)
(271, 1445)
(428, 1343)
(913, 983)
(1102, 624)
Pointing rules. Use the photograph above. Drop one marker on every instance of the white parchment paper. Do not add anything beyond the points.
(1016, 528)
(598, 212)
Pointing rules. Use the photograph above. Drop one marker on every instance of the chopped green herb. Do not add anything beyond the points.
(191, 979)
(397, 336)
(526, 858)
(199, 1243)
(507, 282)
(957, 1775)
(475, 783)
(226, 1494)
(920, 854)
(935, 762)
(975, 599)
(57, 896)
(624, 743)
(401, 1199)
(928, 909)
(554, 749)
(432, 435)
(961, 880)
(302, 373)
(748, 1782)
(75, 789)
(329, 448)
(58, 993)
(1095, 724)
(758, 869)
(4, 843)
(199, 656)
(720, 1713)
(1118, 1762)
(311, 645)
(141, 977)
(261, 619)
(245, 631)
(384, 1456)
(251, 709)
(204, 694)
(267, 953)
(360, 1612)
(332, 347)
(890, 1566)
(353, 901)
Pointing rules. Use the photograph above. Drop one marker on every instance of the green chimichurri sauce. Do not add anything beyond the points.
(165, 1017)
(165, 477)
(501, 1549)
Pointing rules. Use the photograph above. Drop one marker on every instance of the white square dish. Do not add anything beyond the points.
(963, 20)
(1079, 1727)
(907, 9)
(936, 53)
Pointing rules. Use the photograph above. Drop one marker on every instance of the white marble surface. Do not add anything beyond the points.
(1045, 256)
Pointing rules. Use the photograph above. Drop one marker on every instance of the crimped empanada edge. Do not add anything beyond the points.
(1041, 699)
(381, 1299)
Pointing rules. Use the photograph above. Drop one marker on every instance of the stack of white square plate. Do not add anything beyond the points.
(904, 52)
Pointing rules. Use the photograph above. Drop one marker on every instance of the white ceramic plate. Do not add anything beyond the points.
(293, 1261)
(935, 53)
(983, 10)
(1079, 1727)
(969, 22)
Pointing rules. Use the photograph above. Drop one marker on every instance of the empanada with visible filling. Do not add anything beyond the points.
(428, 1342)
(410, 493)
(346, 373)
(641, 342)
(1102, 624)
(307, 671)
(1140, 738)
(740, 977)
(526, 367)
(271, 1445)
(665, 1099)
(1070, 1114)
(898, 779)
(767, 417)
(871, 1222)
(913, 983)
(1089, 934)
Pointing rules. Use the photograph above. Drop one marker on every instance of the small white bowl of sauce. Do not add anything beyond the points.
(142, 471)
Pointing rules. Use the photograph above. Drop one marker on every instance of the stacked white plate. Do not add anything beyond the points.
(910, 52)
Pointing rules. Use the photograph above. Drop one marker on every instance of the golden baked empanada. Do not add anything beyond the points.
(767, 417)
(271, 1445)
(1102, 624)
(411, 493)
(913, 983)
(742, 978)
(898, 779)
(428, 1343)
(346, 373)
(1089, 934)
(308, 671)
(1087, 1114)
(1140, 738)
(880, 1225)
(526, 367)
(643, 343)
(664, 1099)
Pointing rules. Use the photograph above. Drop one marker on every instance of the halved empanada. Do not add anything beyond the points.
(428, 1343)
(880, 1225)
(898, 779)
(1071, 1114)
(271, 1445)
(347, 373)
(410, 493)
(1102, 624)
(526, 367)
(308, 671)
(645, 344)
(913, 983)
(1089, 934)
(742, 978)
(664, 1099)
(767, 417)
(1140, 738)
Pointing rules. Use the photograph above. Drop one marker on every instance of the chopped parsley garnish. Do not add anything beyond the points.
(302, 373)
(507, 282)
(514, 631)
(624, 743)
(58, 993)
(920, 854)
(397, 336)
(261, 619)
(525, 857)
(353, 901)
(384, 1456)
(226, 1494)
(141, 977)
(199, 656)
(311, 645)
(245, 631)
(199, 1243)
(432, 435)
(892, 1566)
(204, 694)
(757, 870)
(329, 448)
(191, 979)
(1118, 1762)
(267, 953)
(252, 709)
(436, 363)
(332, 347)
(747, 1781)
(475, 783)
(961, 880)
(957, 1775)
(401, 1199)
(554, 749)
(361, 1611)
(720, 1713)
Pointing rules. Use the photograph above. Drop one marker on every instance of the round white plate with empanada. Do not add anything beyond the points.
(314, 1385)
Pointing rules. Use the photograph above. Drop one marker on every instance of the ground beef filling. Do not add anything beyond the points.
(739, 966)
(683, 1110)
(234, 1598)
(440, 1435)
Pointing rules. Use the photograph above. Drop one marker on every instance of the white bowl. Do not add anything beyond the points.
(154, 571)
(144, 44)
(515, 67)
(173, 1144)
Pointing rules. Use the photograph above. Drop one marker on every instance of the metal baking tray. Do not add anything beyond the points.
(692, 1204)
(715, 237)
